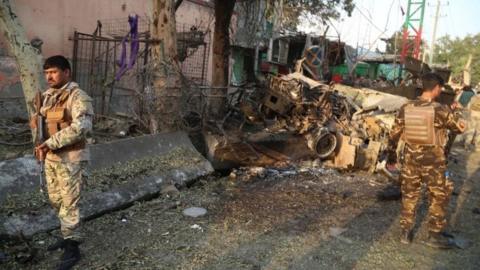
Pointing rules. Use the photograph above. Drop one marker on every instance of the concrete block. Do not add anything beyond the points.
(20, 176)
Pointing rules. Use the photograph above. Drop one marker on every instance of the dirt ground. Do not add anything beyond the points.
(310, 220)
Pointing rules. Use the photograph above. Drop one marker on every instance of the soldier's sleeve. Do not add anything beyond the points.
(82, 115)
(395, 135)
(453, 120)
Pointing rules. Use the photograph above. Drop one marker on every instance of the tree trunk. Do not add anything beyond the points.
(165, 64)
(221, 41)
(221, 52)
(28, 58)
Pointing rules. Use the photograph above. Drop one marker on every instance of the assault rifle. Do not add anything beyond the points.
(40, 137)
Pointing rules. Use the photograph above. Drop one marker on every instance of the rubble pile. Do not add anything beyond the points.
(344, 127)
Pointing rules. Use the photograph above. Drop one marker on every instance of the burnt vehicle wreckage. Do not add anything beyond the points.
(296, 118)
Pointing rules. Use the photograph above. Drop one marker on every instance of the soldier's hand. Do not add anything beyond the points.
(455, 105)
(41, 151)
(392, 167)
(462, 125)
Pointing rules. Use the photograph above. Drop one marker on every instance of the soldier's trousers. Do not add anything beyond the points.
(64, 182)
(439, 190)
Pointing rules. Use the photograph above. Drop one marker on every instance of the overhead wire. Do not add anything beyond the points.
(389, 12)
(358, 33)
(452, 21)
(368, 19)
(382, 32)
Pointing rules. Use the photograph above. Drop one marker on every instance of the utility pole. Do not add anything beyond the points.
(394, 54)
(432, 43)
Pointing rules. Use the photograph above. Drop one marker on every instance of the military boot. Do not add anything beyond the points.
(438, 240)
(71, 255)
(390, 193)
(406, 236)
(60, 243)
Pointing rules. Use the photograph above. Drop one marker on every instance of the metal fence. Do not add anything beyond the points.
(193, 45)
(95, 63)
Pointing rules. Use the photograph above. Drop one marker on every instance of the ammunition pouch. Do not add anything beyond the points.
(56, 121)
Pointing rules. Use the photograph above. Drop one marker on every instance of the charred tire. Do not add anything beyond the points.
(326, 145)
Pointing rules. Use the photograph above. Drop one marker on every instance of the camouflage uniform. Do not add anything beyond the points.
(65, 164)
(472, 133)
(425, 164)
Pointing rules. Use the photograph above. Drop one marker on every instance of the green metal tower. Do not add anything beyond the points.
(412, 29)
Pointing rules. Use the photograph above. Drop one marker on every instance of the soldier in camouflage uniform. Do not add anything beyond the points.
(472, 135)
(68, 114)
(423, 125)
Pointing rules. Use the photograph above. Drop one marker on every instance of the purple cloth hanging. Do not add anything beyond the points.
(134, 46)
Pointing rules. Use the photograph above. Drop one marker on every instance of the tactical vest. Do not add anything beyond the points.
(420, 126)
(57, 118)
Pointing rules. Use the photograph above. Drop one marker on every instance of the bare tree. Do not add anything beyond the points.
(28, 58)
(164, 57)
(221, 51)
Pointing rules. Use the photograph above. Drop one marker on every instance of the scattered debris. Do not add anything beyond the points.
(196, 227)
(245, 216)
(107, 128)
(25, 252)
(169, 190)
(123, 219)
(247, 173)
(461, 242)
(336, 231)
(195, 212)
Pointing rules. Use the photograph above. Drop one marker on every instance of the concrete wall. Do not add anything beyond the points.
(54, 21)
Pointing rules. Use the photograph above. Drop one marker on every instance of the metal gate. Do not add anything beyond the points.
(95, 63)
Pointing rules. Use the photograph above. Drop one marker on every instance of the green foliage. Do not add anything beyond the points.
(324, 9)
(455, 52)
(391, 47)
